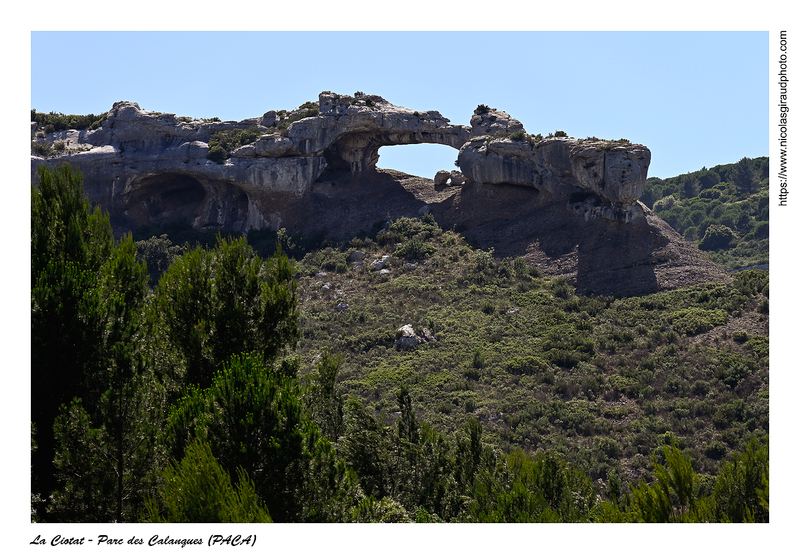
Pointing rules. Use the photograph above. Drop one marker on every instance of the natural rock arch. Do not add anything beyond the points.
(358, 152)
(522, 194)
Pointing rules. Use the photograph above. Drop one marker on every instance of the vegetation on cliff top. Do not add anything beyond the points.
(51, 122)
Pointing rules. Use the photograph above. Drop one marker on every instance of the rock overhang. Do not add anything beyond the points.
(340, 135)
(314, 170)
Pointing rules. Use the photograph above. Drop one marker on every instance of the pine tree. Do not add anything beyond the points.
(197, 489)
(95, 401)
(741, 491)
(70, 242)
(674, 496)
(323, 400)
(743, 176)
(251, 418)
(213, 304)
(106, 469)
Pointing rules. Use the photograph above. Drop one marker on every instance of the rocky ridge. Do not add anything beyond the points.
(315, 170)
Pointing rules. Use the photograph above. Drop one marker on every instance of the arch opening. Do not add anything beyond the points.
(422, 160)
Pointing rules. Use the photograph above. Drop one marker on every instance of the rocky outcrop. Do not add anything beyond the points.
(610, 173)
(568, 205)
(407, 337)
(145, 166)
(488, 121)
(138, 160)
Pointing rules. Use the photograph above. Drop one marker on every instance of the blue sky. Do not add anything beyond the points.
(694, 98)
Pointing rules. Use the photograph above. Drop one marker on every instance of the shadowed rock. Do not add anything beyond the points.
(569, 205)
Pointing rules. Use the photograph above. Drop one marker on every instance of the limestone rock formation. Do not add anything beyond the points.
(568, 205)
(612, 172)
(145, 166)
(140, 163)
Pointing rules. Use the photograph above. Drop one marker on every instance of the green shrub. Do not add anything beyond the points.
(740, 336)
(328, 259)
(478, 359)
(561, 288)
(665, 204)
(760, 231)
(716, 237)
(566, 358)
(716, 450)
(414, 249)
(225, 141)
(759, 345)
(711, 193)
(733, 369)
(609, 447)
(526, 365)
(43, 149)
(693, 321)
(521, 267)
(701, 387)
(482, 260)
(752, 281)
(691, 234)
(53, 121)
(308, 109)
(217, 154)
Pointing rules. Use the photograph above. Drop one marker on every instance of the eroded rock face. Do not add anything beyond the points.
(614, 172)
(570, 206)
(140, 161)
(146, 167)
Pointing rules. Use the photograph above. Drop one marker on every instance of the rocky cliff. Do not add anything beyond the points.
(569, 205)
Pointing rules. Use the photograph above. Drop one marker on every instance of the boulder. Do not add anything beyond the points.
(457, 178)
(407, 337)
(269, 119)
(491, 122)
(357, 256)
(381, 262)
(441, 177)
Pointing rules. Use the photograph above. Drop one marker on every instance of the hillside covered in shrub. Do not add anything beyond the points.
(403, 375)
(724, 210)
